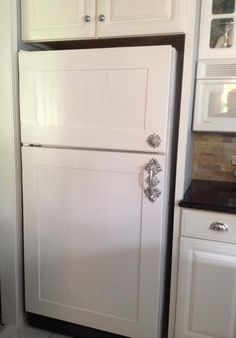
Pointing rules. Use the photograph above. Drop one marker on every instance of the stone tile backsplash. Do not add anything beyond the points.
(212, 157)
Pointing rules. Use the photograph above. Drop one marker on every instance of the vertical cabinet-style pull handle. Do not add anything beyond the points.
(153, 168)
(87, 18)
(152, 181)
(219, 226)
(101, 17)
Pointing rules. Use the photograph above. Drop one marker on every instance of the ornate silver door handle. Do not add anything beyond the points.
(152, 181)
(153, 168)
(219, 226)
(154, 165)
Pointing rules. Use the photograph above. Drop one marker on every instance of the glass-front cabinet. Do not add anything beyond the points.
(217, 29)
(223, 6)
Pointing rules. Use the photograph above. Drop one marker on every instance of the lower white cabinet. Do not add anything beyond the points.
(206, 305)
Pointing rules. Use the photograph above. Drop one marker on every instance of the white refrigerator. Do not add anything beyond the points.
(97, 148)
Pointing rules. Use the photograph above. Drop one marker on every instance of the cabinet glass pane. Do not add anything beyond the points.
(221, 33)
(223, 6)
(222, 101)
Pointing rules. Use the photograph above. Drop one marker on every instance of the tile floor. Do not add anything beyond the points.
(26, 331)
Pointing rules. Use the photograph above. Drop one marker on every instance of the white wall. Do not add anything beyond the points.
(10, 186)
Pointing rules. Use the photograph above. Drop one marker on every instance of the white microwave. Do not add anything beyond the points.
(215, 96)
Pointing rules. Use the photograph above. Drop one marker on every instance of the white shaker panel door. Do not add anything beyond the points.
(53, 20)
(105, 98)
(207, 290)
(139, 17)
(93, 240)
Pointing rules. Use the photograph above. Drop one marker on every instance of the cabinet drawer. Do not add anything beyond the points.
(197, 224)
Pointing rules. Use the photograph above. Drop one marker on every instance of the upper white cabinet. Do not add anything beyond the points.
(54, 20)
(134, 17)
(112, 98)
(45, 20)
(217, 32)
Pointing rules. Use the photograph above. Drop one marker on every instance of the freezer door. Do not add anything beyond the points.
(112, 98)
(93, 240)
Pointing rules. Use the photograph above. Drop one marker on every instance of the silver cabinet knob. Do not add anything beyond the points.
(87, 18)
(154, 140)
(101, 17)
(219, 226)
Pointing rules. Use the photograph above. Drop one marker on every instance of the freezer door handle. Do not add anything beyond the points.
(153, 168)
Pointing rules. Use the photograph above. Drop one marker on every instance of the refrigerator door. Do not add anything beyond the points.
(93, 240)
(112, 98)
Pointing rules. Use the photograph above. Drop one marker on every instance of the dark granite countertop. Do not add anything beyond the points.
(210, 195)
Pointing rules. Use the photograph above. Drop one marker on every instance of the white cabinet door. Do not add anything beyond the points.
(104, 98)
(139, 17)
(55, 20)
(93, 241)
(46, 20)
(207, 290)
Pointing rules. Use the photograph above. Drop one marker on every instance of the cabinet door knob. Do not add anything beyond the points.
(219, 226)
(87, 18)
(101, 17)
(154, 140)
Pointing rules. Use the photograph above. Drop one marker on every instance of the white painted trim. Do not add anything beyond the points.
(185, 144)
(11, 268)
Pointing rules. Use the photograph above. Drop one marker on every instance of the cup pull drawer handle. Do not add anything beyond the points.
(219, 226)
